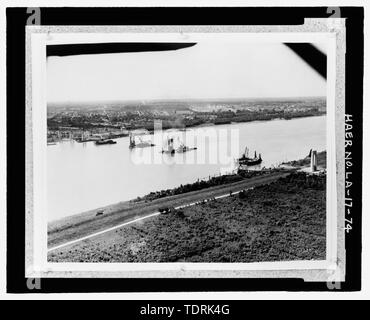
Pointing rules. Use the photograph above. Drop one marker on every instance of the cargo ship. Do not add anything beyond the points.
(245, 160)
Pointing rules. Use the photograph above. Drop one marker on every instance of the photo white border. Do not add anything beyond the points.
(36, 225)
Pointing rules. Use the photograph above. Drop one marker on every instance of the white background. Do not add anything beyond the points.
(364, 294)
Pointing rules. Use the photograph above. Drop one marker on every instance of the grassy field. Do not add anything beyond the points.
(282, 220)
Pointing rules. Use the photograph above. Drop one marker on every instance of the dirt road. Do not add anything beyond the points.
(85, 225)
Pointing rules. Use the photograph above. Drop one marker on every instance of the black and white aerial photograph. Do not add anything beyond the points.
(185, 152)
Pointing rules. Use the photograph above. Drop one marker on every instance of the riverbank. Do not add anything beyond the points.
(279, 219)
(234, 118)
(321, 161)
(204, 184)
(234, 121)
(77, 226)
(203, 124)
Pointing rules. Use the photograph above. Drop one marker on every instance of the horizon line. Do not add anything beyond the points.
(179, 99)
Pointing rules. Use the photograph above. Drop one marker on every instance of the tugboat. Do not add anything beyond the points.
(105, 141)
(246, 161)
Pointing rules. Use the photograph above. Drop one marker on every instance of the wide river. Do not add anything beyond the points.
(85, 176)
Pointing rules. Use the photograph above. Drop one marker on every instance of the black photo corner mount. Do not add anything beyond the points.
(16, 22)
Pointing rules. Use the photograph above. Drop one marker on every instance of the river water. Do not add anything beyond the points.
(85, 176)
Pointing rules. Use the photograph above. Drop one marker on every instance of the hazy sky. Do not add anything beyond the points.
(206, 70)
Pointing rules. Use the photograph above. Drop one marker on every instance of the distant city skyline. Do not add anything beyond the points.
(209, 70)
(108, 103)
